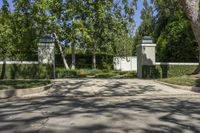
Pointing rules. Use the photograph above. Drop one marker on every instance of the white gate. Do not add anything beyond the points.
(125, 63)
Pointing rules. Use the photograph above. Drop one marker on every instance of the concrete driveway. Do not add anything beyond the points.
(103, 106)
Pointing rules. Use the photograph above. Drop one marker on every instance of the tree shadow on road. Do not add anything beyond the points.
(93, 88)
(115, 107)
(91, 115)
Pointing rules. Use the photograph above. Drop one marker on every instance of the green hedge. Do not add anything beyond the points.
(167, 71)
(46, 72)
(84, 61)
(82, 73)
(29, 71)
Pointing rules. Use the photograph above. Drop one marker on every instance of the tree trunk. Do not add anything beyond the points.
(94, 56)
(193, 13)
(62, 53)
(73, 56)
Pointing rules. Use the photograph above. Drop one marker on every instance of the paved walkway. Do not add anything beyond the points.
(103, 106)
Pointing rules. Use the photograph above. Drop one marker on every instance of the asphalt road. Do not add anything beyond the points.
(103, 106)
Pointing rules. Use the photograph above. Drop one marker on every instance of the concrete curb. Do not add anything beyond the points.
(21, 92)
(189, 88)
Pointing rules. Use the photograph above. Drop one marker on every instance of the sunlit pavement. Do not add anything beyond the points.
(103, 106)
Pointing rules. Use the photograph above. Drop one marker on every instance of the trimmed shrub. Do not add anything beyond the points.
(29, 71)
(46, 72)
(82, 73)
(84, 61)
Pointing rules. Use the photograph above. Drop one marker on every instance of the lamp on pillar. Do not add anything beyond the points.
(147, 40)
(145, 54)
(46, 53)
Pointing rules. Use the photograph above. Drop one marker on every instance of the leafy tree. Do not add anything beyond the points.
(147, 16)
(173, 33)
(176, 41)
(170, 29)
(95, 26)
(23, 26)
(147, 26)
(6, 35)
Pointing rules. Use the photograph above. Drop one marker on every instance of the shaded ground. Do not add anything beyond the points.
(104, 106)
(111, 88)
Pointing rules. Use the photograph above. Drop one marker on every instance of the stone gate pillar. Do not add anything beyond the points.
(46, 50)
(145, 54)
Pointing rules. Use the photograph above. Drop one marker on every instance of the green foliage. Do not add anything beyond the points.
(147, 26)
(22, 84)
(89, 26)
(83, 73)
(165, 71)
(183, 80)
(20, 29)
(167, 23)
(61, 73)
(176, 41)
(107, 66)
(26, 71)
(84, 61)
(6, 34)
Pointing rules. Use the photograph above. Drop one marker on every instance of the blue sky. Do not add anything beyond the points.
(137, 12)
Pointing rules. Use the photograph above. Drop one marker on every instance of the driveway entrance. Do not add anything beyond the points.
(112, 88)
(103, 106)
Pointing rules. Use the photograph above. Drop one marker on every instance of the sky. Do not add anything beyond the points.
(138, 21)
(137, 12)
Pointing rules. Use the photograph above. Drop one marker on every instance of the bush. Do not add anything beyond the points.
(183, 80)
(62, 73)
(22, 84)
(46, 72)
(82, 73)
(33, 71)
(84, 61)
(105, 75)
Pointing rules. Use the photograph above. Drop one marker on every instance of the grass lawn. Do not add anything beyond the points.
(83, 73)
(22, 84)
(62, 73)
(183, 80)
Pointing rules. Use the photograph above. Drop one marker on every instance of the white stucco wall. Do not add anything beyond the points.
(125, 63)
